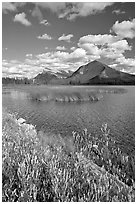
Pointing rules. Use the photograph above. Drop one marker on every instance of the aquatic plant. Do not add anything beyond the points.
(37, 167)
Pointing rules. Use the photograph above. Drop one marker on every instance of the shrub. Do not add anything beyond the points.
(37, 167)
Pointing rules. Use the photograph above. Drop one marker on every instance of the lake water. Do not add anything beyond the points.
(116, 109)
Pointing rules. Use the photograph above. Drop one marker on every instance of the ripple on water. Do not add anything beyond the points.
(117, 109)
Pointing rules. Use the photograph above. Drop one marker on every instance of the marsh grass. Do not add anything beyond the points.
(36, 167)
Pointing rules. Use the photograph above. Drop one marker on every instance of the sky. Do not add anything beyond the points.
(58, 36)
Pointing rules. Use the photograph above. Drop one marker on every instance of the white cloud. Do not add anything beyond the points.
(60, 48)
(7, 6)
(126, 61)
(85, 9)
(106, 45)
(32, 62)
(45, 37)
(111, 53)
(90, 48)
(99, 39)
(45, 22)
(71, 10)
(21, 17)
(63, 60)
(125, 29)
(53, 6)
(65, 37)
(118, 12)
(15, 68)
(75, 56)
(120, 45)
(78, 53)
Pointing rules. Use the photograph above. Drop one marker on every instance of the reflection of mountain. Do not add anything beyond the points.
(92, 73)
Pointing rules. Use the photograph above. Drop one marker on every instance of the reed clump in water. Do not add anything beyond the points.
(65, 96)
(39, 168)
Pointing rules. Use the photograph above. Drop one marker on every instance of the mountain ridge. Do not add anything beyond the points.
(92, 73)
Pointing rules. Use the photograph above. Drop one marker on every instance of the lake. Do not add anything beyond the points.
(77, 108)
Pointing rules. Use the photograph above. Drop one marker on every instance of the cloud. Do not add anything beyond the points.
(65, 37)
(126, 61)
(63, 60)
(45, 22)
(79, 53)
(71, 10)
(106, 46)
(21, 17)
(110, 53)
(6, 6)
(120, 45)
(99, 39)
(118, 12)
(63, 57)
(15, 68)
(90, 48)
(68, 10)
(60, 48)
(53, 6)
(45, 37)
(125, 29)
(84, 9)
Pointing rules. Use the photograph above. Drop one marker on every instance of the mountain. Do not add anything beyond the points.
(93, 73)
(98, 73)
(48, 77)
(44, 77)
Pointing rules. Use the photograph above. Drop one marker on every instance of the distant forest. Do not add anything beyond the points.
(8, 80)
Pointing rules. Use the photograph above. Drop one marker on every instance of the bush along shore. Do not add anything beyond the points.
(41, 168)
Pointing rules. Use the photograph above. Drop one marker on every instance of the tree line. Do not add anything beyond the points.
(7, 80)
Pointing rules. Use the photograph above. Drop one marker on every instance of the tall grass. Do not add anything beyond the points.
(37, 167)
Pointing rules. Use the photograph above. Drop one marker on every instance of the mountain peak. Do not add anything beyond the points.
(95, 61)
(96, 72)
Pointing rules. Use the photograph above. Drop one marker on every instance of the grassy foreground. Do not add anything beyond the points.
(37, 167)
